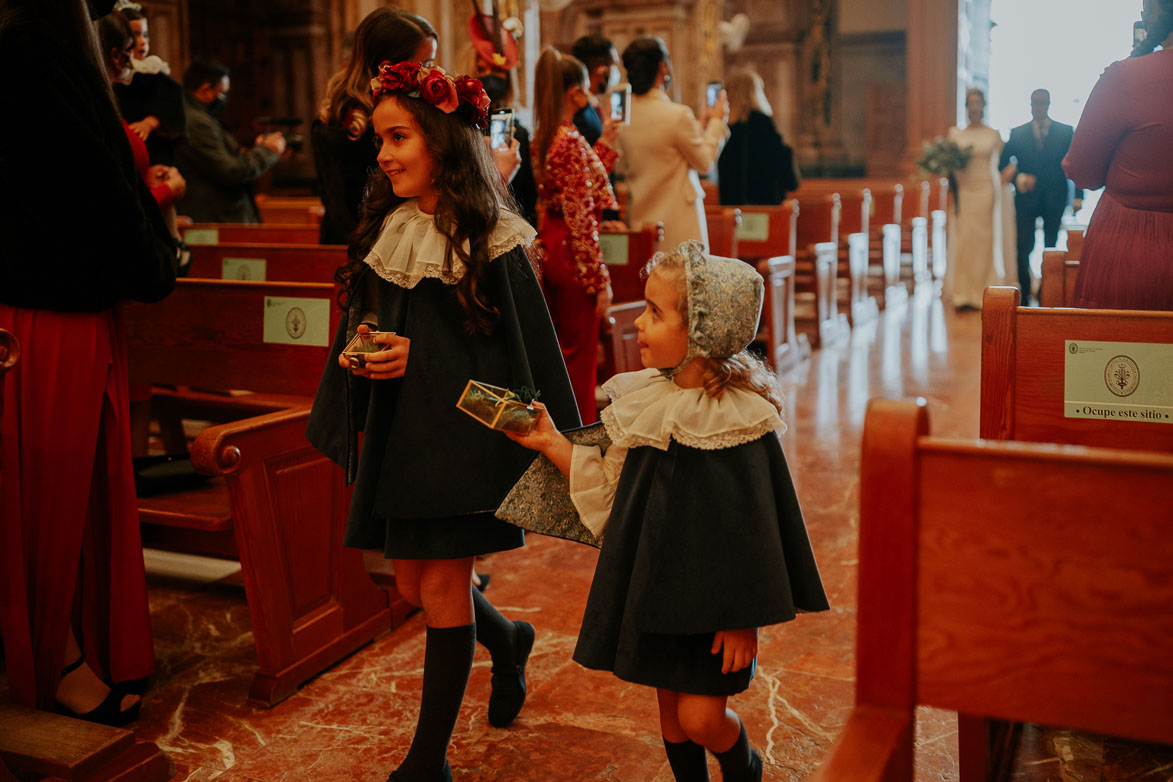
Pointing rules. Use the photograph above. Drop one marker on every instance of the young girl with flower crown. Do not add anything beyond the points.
(703, 538)
(439, 272)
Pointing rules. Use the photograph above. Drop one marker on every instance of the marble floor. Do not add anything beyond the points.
(354, 722)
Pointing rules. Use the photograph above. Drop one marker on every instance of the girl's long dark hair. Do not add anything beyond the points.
(470, 200)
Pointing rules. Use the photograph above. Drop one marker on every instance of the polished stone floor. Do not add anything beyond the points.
(354, 722)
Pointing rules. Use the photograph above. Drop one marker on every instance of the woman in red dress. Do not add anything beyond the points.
(1121, 144)
(70, 550)
(573, 191)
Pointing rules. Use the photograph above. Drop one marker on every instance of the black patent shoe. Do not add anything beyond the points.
(398, 776)
(508, 681)
(108, 712)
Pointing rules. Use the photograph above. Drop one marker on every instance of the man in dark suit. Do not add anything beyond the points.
(601, 59)
(1040, 186)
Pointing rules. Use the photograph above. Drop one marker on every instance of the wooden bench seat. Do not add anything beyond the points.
(1003, 579)
(274, 502)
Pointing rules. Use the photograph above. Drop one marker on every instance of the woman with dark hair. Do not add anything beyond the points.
(341, 136)
(756, 166)
(70, 549)
(1121, 144)
(573, 192)
(439, 278)
(664, 147)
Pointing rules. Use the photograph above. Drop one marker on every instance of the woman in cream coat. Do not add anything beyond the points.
(664, 147)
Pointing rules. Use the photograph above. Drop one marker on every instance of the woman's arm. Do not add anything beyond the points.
(1105, 119)
(570, 161)
(700, 148)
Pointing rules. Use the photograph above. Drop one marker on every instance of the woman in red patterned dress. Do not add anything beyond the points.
(573, 191)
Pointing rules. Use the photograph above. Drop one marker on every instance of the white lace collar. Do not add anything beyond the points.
(649, 409)
(410, 248)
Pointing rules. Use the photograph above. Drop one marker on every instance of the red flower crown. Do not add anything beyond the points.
(464, 95)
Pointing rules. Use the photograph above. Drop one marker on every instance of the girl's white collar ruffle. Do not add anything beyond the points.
(410, 248)
(649, 409)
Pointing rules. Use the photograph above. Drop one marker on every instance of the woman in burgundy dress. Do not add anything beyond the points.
(1121, 144)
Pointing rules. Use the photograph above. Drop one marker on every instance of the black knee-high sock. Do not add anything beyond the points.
(447, 662)
(493, 631)
(740, 762)
(687, 761)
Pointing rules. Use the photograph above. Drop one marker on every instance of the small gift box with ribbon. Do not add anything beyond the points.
(500, 408)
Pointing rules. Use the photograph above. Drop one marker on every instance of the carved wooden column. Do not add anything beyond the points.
(932, 72)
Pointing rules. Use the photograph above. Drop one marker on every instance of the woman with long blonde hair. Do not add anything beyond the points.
(756, 166)
(343, 144)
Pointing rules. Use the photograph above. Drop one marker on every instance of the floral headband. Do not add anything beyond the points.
(464, 95)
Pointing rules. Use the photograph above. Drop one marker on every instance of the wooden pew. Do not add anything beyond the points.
(1075, 243)
(251, 233)
(275, 502)
(1007, 564)
(1023, 361)
(854, 231)
(282, 262)
(626, 253)
(43, 744)
(1057, 288)
(817, 266)
(620, 350)
(722, 224)
(1022, 398)
(784, 346)
(290, 209)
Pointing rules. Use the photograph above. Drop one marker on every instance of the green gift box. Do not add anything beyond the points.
(499, 408)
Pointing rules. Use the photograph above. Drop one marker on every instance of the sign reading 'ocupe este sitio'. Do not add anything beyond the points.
(1118, 381)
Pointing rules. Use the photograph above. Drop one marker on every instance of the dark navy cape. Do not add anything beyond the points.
(422, 457)
(698, 541)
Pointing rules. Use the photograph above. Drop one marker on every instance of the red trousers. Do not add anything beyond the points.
(573, 313)
(70, 548)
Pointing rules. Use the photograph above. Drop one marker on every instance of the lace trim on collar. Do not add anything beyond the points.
(410, 248)
(649, 409)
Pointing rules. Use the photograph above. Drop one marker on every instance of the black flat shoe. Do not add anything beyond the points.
(484, 579)
(397, 776)
(108, 712)
(508, 681)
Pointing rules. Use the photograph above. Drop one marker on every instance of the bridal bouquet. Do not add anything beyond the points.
(942, 157)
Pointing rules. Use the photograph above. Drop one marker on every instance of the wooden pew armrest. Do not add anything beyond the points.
(220, 449)
(875, 746)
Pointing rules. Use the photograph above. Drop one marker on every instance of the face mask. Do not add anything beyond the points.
(496, 87)
(216, 107)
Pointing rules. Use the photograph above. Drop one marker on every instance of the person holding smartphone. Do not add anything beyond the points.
(601, 59)
(756, 166)
(573, 191)
(664, 147)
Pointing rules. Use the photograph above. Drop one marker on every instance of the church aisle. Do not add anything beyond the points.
(354, 722)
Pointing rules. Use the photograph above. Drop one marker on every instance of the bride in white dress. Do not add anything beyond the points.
(976, 239)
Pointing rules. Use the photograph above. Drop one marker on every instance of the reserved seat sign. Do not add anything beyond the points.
(1118, 381)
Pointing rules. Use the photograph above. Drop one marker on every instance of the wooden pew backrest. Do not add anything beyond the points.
(1057, 288)
(620, 347)
(259, 233)
(212, 334)
(1023, 359)
(1004, 580)
(626, 253)
(267, 261)
(768, 231)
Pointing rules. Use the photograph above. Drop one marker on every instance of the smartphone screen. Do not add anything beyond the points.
(1139, 33)
(620, 99)
(712, 92)
(500, 129)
